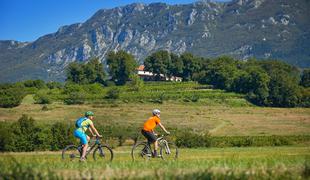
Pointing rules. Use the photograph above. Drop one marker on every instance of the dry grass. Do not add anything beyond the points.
(219, 120)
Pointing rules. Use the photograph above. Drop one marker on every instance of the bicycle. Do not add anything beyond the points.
(167, 150)
(102, 152)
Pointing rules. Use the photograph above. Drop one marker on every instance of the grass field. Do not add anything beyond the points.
(232, 163)
(219, 120)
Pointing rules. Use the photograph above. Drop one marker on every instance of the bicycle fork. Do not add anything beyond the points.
(167, 149)
(101, 151)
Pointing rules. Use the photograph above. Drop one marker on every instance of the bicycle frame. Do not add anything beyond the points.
(97, 143)
(162, 141)
(166, 145)
(143, 149)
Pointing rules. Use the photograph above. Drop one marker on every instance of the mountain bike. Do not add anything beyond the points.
(167, 150)
(101, 152)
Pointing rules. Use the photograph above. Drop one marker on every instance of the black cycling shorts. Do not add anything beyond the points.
(150, 136)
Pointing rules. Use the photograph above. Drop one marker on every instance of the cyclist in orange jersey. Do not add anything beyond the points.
(148, 129)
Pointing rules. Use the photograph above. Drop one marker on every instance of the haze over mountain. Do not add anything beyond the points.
(277, 29)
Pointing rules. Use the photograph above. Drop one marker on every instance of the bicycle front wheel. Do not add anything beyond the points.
(71, 153)
(141, 152)
(103, 154)
(169, 151)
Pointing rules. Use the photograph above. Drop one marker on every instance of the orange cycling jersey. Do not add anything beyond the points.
(151, 123)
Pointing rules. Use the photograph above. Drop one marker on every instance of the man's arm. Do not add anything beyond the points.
(163, 128)
(94, 129)
(91, 131)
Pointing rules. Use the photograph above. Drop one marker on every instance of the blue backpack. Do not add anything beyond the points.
(78, 122)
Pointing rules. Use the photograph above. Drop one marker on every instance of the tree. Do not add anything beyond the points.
(158, 63)
(121, 66)
(253, 81)
(75, 73)
(283, 90)
(191, 64)
(222, 72)
(275, 66)
(91, 72)
(305, 78)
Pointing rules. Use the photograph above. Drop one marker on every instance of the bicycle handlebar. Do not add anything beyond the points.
(96, 137)
(163, 135)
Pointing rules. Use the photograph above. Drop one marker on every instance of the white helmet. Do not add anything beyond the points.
(156, 112)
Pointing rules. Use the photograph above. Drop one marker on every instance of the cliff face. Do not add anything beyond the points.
(278, 29)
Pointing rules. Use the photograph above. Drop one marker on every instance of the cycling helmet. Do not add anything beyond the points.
(89, 113)
(156, 112)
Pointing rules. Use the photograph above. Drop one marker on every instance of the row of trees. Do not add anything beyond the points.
(266, 83)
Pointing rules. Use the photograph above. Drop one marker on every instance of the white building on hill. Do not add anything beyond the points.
(149, 76)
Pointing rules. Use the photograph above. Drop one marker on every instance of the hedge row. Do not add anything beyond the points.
(192, 140)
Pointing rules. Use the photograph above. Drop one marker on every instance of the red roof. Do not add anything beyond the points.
(140, 68)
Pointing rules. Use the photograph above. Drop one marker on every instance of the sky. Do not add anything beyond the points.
(27, 20)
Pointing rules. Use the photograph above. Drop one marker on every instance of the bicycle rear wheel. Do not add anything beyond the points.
(71, 153)
(169, 151)
(103, 154)
(141, 152)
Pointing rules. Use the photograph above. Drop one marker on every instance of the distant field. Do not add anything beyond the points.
(258, 163)
(218, 119)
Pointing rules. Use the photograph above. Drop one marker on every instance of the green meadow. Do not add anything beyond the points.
(202, 163)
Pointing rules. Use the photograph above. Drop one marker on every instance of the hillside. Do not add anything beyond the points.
(183, 105)
(277, 29)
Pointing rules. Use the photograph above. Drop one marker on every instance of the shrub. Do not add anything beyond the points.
(75, 98)
(246, 141)
(193, 140)
(70, 87)
(5, 136)
(113, 93)
(54, 85)
(25, 135)
(11, 97)
(93, 88)
(192, 98)
(42, 98)
(136, 83)
(62, 135)
(39, 84)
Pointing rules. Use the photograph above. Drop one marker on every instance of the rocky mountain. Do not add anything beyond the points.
(278, 29)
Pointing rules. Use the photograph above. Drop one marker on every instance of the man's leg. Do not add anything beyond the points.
(155, 148)
(84, 140)
(85, 146)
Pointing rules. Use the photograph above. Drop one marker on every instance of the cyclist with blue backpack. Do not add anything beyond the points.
(82, 124)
